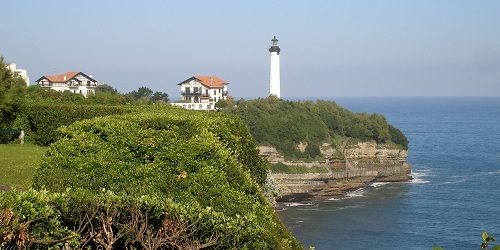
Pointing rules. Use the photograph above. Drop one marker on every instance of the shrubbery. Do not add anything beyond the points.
(81, 219)
(203, 163)
(40, 121)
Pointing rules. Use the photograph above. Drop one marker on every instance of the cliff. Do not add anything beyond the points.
(347, 167)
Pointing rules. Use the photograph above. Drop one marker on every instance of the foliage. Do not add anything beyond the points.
(159, 97)
(486, 240)
(284, 124)
(104, 88)
(81, 220)
(12, 90)
(145, 95)
(484, 245)
(40, 121)
(31, 219)
(207, 163)
(271, 189)
(224, 104)
(17, 164)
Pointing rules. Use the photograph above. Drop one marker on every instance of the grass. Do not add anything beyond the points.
(18, 163)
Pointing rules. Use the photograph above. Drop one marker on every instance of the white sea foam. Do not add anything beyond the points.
(356, 193)
(495, 172)
(378, 184)
(348, 207)
(454, 182)
(296, 204)
(418, 177)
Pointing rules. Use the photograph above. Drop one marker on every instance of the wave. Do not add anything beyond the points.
(454, 182)
(418, 177)
(348, 207)
(333, 199)
(296, 204)
(494, 172)
(378, 184)
(458, 176)
(356, 193)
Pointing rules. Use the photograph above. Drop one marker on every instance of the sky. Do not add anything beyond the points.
(329, 48)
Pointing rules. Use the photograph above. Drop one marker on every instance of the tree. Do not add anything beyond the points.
(159, 96)
(106, 89)
(221, 104)
(12, 90)
(141, 92)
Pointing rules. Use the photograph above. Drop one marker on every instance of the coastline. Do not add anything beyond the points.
(335, 192)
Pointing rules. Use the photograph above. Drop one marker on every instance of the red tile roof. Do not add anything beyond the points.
(211, 81)
(60, 78)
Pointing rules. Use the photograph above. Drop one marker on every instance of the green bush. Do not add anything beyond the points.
(32, 219)
(82, 219)
(204, 162)
(40, 121)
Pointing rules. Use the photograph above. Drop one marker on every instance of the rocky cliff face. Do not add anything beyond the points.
(348, 167)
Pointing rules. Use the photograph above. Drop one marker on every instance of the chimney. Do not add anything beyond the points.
(91, 76)
(64, 77)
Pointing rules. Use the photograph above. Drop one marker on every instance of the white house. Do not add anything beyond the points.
(76, 82)
(202, 92)
(20, 72)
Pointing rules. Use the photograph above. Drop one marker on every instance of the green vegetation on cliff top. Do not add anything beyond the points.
(285, 124)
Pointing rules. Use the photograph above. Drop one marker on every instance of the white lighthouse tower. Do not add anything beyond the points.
(274, 82)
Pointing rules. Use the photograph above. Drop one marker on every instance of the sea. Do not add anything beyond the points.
(453, 198)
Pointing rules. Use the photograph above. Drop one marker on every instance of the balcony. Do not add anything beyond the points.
(190, 93)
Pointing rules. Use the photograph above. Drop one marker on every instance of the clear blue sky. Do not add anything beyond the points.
(328, 48)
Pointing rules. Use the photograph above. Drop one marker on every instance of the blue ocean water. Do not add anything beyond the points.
(455, 196)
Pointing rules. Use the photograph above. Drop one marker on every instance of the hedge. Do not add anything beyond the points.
(40, 121)
(189, 158)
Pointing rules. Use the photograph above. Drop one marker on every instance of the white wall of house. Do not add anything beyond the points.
(193, 91)
(196, 96)
(195, 106)
(82, 90)
(20, 72)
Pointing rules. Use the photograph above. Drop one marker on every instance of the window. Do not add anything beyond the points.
(201, 106)
(215, 99)
(88, 83)
(215, 92)
(188, 90)
(219, 91)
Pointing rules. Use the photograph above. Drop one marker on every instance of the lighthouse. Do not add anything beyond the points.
(274, 81)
